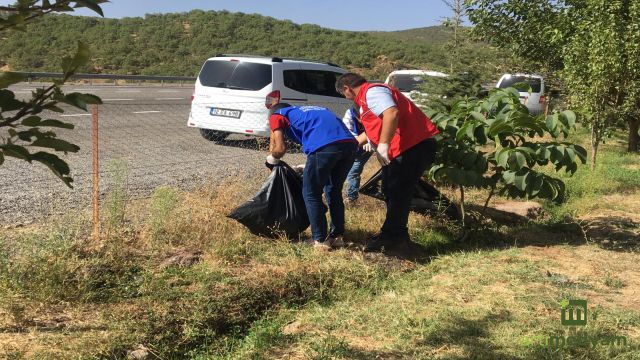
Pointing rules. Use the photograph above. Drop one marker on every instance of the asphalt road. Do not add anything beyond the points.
(143, 127)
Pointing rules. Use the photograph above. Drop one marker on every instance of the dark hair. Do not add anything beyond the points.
(349, 79)
(279, 106)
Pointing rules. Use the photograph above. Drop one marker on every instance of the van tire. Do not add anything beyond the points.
(213, 135)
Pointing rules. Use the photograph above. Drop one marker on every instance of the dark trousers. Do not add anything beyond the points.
(353, 178)
(399, 180)
(326, 170)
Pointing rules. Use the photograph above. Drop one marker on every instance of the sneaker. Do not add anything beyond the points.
(335, 241)
(320, 245)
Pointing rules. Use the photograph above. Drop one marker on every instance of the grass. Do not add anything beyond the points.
(174, 275)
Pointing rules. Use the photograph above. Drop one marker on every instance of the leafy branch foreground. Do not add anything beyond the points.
(24, 134)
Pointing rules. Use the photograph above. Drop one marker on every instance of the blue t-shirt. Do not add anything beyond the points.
(313, 127)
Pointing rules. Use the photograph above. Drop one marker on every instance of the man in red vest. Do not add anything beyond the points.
(405, 146)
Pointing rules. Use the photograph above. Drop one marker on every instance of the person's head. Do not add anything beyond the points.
(348, 85)
(278, 106)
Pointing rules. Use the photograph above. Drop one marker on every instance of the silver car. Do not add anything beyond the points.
(534, 101)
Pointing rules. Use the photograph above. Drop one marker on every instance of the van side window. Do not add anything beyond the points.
(316, 82)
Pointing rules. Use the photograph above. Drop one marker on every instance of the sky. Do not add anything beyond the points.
(358, 15)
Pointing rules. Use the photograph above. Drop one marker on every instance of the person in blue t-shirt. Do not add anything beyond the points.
(330, 150)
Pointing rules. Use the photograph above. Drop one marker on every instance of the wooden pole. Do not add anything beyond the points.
(96, 173)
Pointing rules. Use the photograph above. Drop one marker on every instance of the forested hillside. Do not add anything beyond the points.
(177, 44)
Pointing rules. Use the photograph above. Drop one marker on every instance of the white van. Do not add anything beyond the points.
(534, 101)
(233, 93)
(409, 81)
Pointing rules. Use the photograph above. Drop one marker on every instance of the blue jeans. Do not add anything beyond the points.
(399, 180)
(326, 169)
(353, 178)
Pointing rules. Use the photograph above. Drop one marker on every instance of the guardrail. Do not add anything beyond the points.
(139, 78)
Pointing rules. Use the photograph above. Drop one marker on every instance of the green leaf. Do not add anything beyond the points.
(16, 151)
(503, 157)
(71, 65)
(581, 152)
(552, 122)
(91, 4)
(517, 160)
(8, 78)
(477, 116)
(8, 101)
(571, 118)
(81, 100)
(464, 131)
(509, 176)
(31, 121)
(521, 181)
(58, 166)
(56, 124)
(56, 144)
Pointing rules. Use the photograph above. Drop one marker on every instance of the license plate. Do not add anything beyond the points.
(230, 113)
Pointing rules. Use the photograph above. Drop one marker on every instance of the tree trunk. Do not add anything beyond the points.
(634, 137)
(462, 208)
(595, 141)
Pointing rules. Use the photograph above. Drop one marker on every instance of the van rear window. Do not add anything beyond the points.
(535, 83)
(235, 75)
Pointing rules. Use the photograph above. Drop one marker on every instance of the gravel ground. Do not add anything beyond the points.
(154, 143)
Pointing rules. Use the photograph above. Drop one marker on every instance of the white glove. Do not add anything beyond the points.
(382, 153)
(367, 147)
(272, 160)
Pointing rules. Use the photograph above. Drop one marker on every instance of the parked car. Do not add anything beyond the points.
(534, 101)
(409, 81)
(233, 93)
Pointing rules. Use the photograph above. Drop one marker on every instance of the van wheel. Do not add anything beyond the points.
(213, 135)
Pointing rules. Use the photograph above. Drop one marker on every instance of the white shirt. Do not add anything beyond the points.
(350, 122)
(379, 99)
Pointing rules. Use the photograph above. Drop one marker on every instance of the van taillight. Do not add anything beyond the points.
(193, 94)
(272, 99)
(542, 99)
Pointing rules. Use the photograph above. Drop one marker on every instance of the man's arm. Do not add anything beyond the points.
(389, 124)
(362, 139)
(277, 146)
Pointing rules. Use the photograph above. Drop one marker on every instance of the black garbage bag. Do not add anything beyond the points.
(278, 208)
(427, 200)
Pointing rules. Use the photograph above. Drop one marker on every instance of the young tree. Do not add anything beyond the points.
(458, 8)
(591, 44)
(24, 134)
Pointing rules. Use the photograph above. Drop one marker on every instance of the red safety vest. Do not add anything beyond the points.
(413, 125)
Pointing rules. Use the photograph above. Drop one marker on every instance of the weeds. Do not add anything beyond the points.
(249, 297)
(116, 200)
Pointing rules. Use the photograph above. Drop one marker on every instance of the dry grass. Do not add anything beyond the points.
(180, 278)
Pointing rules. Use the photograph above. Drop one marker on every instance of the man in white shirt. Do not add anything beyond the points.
(351, 120)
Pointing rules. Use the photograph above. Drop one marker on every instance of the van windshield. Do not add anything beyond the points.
(235, 75)
(535, 83)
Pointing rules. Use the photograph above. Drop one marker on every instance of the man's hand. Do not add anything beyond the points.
(382, 153)
(368, 147)
(271, 162)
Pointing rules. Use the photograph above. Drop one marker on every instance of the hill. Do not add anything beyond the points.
(177, 44)
(433, 35)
